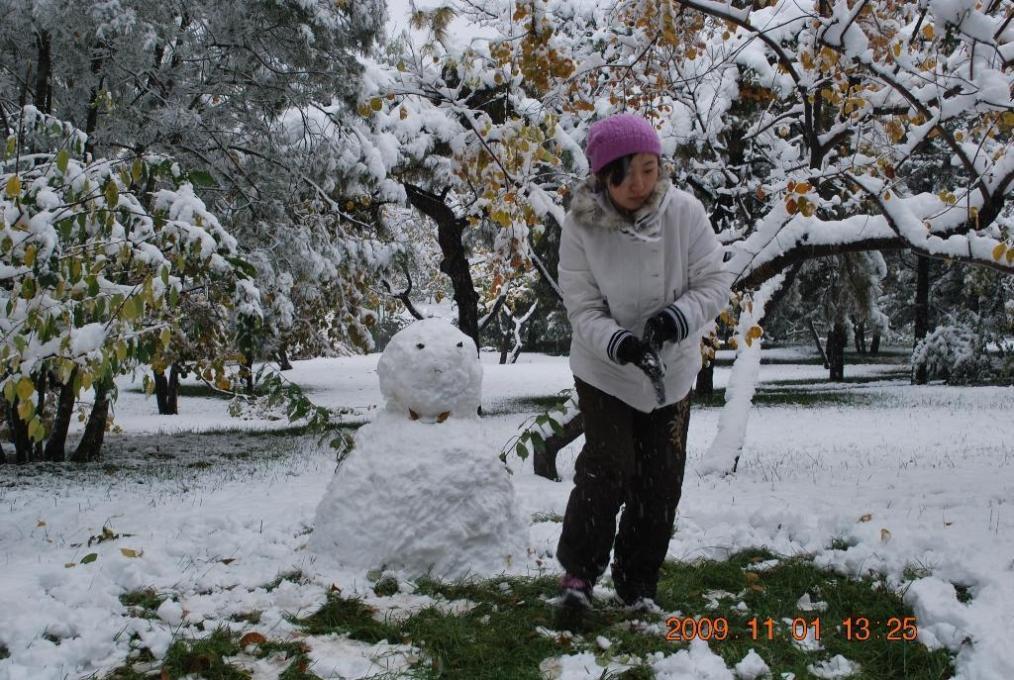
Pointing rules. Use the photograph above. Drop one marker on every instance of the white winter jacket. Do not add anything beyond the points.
(616, 273)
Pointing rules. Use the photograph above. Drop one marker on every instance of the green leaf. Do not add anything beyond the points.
(201, 178)
(89, 558)
(242, 266)
(12, 146)
(112, 194)
(522, 450)
(136, 168)
(62, 158)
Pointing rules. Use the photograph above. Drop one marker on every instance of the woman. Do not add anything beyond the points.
(638, 259)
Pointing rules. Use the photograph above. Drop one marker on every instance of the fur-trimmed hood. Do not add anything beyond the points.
(591, 206)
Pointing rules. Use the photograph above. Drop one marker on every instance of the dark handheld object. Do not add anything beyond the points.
(646, 356)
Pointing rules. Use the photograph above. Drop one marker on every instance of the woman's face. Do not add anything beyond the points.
(636, 187)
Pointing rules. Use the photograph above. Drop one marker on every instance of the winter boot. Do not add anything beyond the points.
(575, 593)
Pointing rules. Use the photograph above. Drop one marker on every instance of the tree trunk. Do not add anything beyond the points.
(56, 445)
(283, 360)
(820, 348)
(90, 446)
(161, 393)
(875, 343)
(505, 338)
(545, 461)
(860, 339)
(173, 394)
(43, 89)
(705, 386)
(167, 391)
(836, 341)
(19, 433)
(921, 311)
(248, 371)
(454, 263)
(42, 384)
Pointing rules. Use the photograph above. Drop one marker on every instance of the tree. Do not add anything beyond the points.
(98, 257)
(241, 92)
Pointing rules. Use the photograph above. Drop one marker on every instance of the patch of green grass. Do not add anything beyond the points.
(386, 586)
(964, 594)
(773, 594)
(912, 572)
(125, 673)
(252, 618)
(204, 658)
(146, 599)
(500, 638)
(351, 617)
(296, 576)
(496, 639)
(788, 397)
(839, 543)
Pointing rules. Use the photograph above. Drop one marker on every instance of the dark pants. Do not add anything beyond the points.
(632, 459)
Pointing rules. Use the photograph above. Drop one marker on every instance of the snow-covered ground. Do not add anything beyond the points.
(907, 477)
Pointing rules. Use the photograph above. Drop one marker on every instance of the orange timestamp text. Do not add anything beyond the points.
(852, 628)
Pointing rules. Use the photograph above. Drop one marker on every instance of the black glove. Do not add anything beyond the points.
(669, 325)
(646, 358)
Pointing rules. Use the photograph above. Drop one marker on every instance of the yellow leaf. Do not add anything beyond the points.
(25, 388)
(376, 104)
(128, 552)
(13, 186)
(927, 31)
(999, 251)
(755, 332)
(165, 336)
(30, 253)
(866, 518)
(896, 48)
(26, 409)
(1010, 255)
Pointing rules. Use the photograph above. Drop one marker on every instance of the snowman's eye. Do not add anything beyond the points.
(419, 345)
(461, 344)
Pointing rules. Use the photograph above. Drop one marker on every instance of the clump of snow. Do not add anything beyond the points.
(837, 667)
(697, 662)
(430, 368)
(336, 656)
(581, 666)
(752, 667)
(422, 498)
(806, 604)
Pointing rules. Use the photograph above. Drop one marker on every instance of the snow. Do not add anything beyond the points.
(422, 498)
(837, 667)
(431, 368)
(752, 667)
(931, 464)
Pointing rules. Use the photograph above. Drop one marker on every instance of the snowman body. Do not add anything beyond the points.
(422, 493)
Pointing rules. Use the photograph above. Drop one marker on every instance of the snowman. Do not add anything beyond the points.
(422, 493)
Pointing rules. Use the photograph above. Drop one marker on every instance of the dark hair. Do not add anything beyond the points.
(614, 172)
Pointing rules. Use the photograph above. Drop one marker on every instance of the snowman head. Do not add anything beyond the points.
(430, 371)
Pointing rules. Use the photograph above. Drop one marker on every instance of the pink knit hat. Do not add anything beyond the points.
(618, 136)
